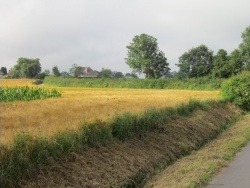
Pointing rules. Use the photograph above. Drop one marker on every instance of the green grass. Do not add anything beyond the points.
(9, 94)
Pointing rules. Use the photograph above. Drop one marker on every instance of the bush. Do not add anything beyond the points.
(237, 90)
(37, 82)
(41, 75)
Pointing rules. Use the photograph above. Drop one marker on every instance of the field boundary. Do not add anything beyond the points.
(203, 83)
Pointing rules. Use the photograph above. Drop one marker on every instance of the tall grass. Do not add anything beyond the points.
(27, 152)
(25, 93)
(204, 83)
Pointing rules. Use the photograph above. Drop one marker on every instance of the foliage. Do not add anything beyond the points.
(75, 70)
(55, 71)
(65, 74)
(245, 47)
(4, 70)
(26, 68)
(221, 67)
(131, 75)
(145, 57)
(41, 75)
(197, 62)
(105, 73)
(27, 152)
(8, 94)
(38, 82)
(227, 65)
(117, 75)
(203, 83)
(236, 63)
(237, 90)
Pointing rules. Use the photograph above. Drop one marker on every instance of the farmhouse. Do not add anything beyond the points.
(87, 72)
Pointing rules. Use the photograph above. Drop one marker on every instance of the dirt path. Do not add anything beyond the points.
(119, 162)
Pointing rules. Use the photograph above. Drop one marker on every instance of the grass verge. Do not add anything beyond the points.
(197, 169)
(28, 152)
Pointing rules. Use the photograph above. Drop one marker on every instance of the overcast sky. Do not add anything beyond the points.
(95, 33)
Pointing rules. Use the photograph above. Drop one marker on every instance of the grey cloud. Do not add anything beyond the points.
(95, 33)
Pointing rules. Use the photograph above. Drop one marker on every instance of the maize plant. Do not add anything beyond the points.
(8, 94)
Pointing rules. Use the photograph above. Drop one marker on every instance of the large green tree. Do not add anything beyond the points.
(245, 47)
(236, 63)
(145, 57)
(221, 68)
(196, 62)
(26, 68)
(227, 65)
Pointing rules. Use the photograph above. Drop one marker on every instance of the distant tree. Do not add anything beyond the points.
(75, 70)
(4, 70)
(145, 57)
(65, 74)
(47, 71)
(181, 75)
(55, 71)
(26, 68)
(196, 62)
(105, 73)
(116, 74)
(173, 74)
(245, 47)
(131, 75)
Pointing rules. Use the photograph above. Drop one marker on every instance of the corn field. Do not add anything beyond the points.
(25, 93)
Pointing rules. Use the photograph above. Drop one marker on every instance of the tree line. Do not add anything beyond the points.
(144, 56)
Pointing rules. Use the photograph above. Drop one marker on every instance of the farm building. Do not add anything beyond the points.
(87, 72)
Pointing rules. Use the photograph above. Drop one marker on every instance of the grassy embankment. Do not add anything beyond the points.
(27, 152)
(197, 169)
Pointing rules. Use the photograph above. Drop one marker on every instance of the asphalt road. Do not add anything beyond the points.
(237, 174)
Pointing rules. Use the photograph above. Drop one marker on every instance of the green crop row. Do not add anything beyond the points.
(8, 94)
(204, 83)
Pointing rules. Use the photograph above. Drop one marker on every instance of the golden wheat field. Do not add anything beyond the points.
(78, 105)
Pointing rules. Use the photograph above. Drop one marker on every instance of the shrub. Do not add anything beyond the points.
(237, 90)
(37, 82)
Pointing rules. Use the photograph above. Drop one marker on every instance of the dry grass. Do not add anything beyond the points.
(16, 82)
(197, 169)
(46, 117)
